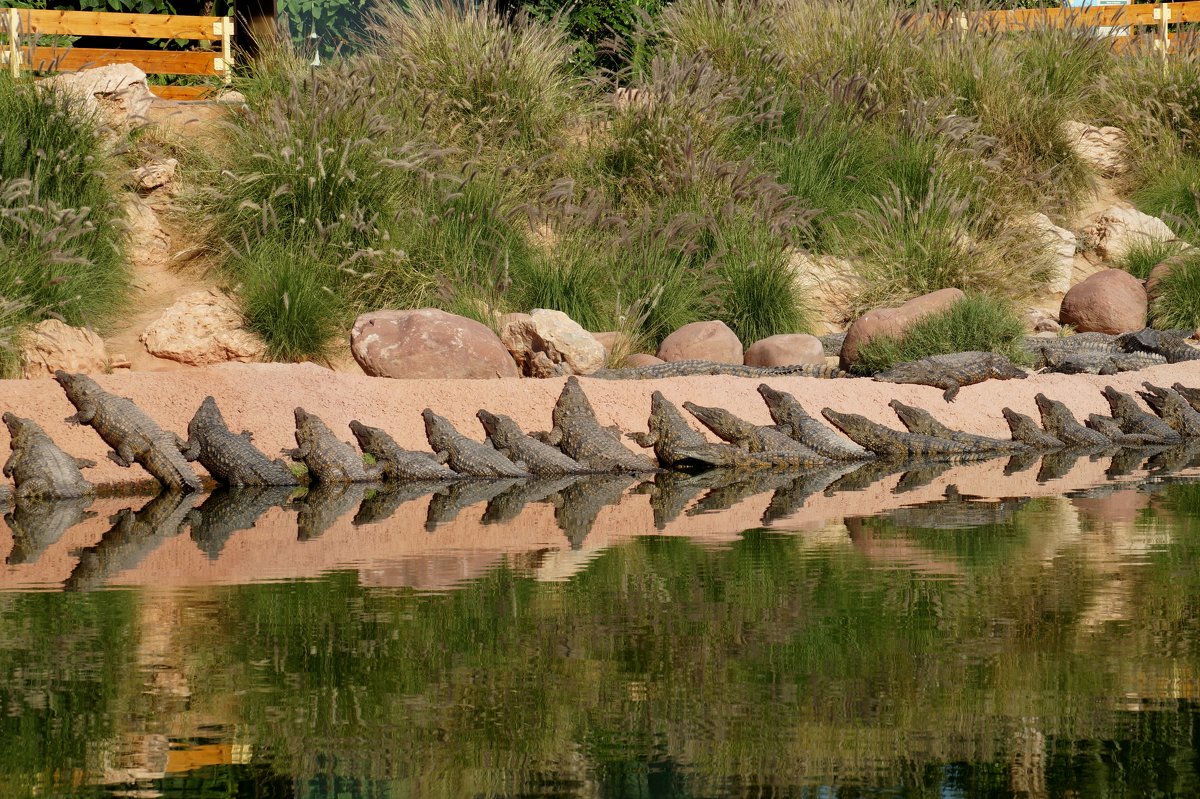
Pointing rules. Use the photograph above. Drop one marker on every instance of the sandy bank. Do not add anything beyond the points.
(260, 398)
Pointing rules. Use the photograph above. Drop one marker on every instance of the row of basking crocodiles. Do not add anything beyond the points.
(576, 443)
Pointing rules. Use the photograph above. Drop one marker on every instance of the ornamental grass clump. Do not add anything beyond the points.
(1176, 305)
(62, 230)
(978, 322)
(1143, 255)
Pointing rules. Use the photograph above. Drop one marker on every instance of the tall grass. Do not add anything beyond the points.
(978, 322)
(62, 238)
(1143, 256)
(1177, 297)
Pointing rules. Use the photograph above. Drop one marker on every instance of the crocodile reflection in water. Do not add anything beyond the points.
(577, 506)
(134, 535)
(324, 504)
(670, 492)
(508, 505)
(382, 502)
(1056, 465)
(789, 499)
(37, 525)
(956, 512)
(228, 510)
(445, 506)
(726, 495)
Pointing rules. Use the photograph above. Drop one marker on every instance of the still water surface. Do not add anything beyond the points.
(900, 640)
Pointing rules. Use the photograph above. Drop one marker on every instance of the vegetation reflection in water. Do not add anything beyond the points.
(1043, 647)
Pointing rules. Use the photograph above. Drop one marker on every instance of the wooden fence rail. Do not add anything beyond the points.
(1121, 22)
(22, 28)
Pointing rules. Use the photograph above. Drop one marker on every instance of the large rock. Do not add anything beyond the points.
(201, 328)
(428, 343)
(787, 349)
(705, 341)
(1101, 148)
(1112, 232)
(1060, 247)
(1112, 301)
(118, 92)
(893, 322)
(51, 345)
(563, 346)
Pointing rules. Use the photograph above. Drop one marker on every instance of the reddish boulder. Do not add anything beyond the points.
(1112, 301)
(639, 359)
(894, 321)
(705, 341)
(788, 349)
(428, 343)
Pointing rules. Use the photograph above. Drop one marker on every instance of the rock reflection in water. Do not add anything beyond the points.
(228, 510)
(37, 525)
(134, 534)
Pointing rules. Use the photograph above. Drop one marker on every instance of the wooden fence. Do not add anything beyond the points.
(23, 29)
(1126, 25)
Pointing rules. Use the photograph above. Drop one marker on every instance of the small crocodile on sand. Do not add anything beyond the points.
(1135, 421)
(921, 421)
(889, 443)
(396, 463)
(39, 469)
(1026, 430)
(230, 457)
(579, 435)
(753, 437)
(792, 419)
(696, 368)
(1062, 424)
(134, 436)
(525, 451)
(951, 372)
(1173, 408)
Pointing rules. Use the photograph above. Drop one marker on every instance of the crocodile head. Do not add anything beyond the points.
(1004, 369)
(78, 387)
(572, 402)
(437, 429)
(366, 436)
(206, 415)
(15, 424)
(494, 424)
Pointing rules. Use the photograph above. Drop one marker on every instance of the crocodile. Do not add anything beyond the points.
(446, 505)
(1135, 421)
(37, 525)
(508, 505)
(1062, 424)
(1059, 463)
(231, 459)
(1110, 428)
(381, 504)
(921, 474)
(671, 491)
(1098, 363)
(695, 368)
(866, 475)
(1127, 460)
(753, 437)
(328, 460)
(1190, 395)
(1175, 459)
(134, 436)
(228, 510)
(1079, 342)
(952, 372)
(39, 469)
(1028, 432)
(1173, 408)
(789, 415)
(921, 421)
(1020, 461)
(578, 433)
(133, 535)
(324, 504)
(467, 457)
(525, 451)
(1171, 344)
(678, 446)
(886, 442)
(577, 506)
(396, 463)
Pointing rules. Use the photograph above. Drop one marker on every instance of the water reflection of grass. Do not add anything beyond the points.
(665, 667)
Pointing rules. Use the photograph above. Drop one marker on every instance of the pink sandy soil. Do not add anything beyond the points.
(399, 551)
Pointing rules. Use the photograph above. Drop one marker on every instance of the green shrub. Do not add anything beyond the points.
(1143, 256)
(756, 294)
(1177, 304)
(290, 297)
(1170, 189)
(978, 322)
(62, 241)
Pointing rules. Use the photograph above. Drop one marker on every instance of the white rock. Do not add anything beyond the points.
(203, 327)
(50, 345)
(1112, 232)
(1101, 148)
(119, 91)
(154, 175)
(547, 342)
(1060, 245)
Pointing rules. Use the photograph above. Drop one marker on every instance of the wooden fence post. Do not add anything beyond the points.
(14, 47)
(227, 47)
(1163, 15)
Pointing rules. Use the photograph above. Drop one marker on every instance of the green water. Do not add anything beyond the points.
(1055, 653)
